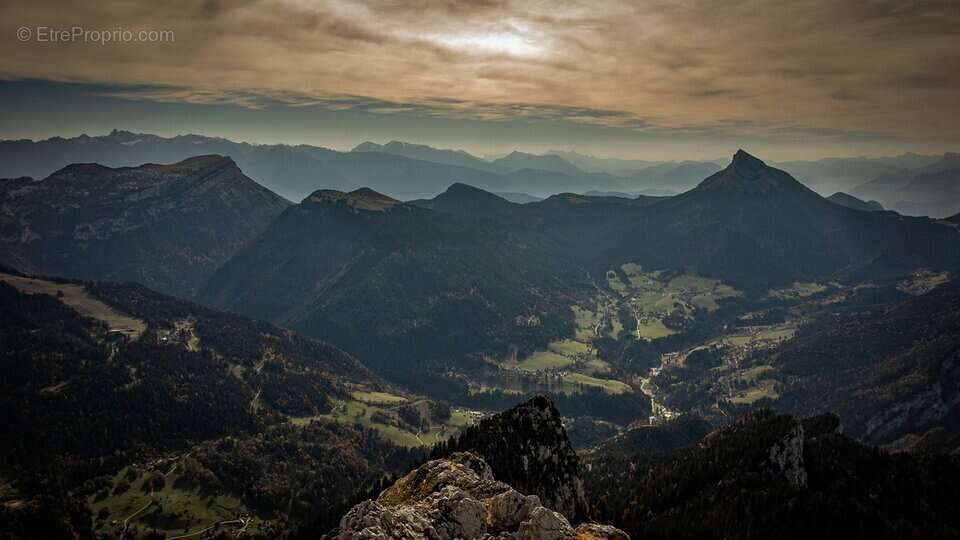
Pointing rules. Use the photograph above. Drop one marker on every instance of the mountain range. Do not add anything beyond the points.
(409, 171)
(932, 190)
(401, 285)
(400, 170)
(389, 325)
(428, 153)
(418, 283)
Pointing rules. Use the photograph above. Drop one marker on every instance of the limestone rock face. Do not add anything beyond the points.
(458, 498)
(786, 457)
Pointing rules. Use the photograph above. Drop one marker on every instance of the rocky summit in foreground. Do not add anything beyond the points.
(527, 447)
(458, 497)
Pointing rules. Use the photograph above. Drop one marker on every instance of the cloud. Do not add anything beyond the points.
(436, 107)
(753, 66)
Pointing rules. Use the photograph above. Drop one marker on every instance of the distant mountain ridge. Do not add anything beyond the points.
(401, 170)
(428, 153)
(829, 175)
(412, 171)
(933, 189)
(517, 161)
(608, 165)
(845, 199)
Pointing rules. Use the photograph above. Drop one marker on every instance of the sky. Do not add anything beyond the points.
(658, 79)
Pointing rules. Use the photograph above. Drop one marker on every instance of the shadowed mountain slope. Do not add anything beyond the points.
(396, 283)
(767, 475)
(887, 370)
(195, 409)
(166, 226)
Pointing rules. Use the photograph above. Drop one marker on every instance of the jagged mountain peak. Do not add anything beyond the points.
(742, 159)
(358, 199)
(747, 175)
(527, 447)
(747, 164)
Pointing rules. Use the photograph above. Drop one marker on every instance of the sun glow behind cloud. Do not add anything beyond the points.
(513, 38)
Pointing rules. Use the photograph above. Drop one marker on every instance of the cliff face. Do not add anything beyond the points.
(458, 497)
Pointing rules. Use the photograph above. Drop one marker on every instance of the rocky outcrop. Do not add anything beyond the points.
(528, 448)
(786, 457)
(458, 497)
